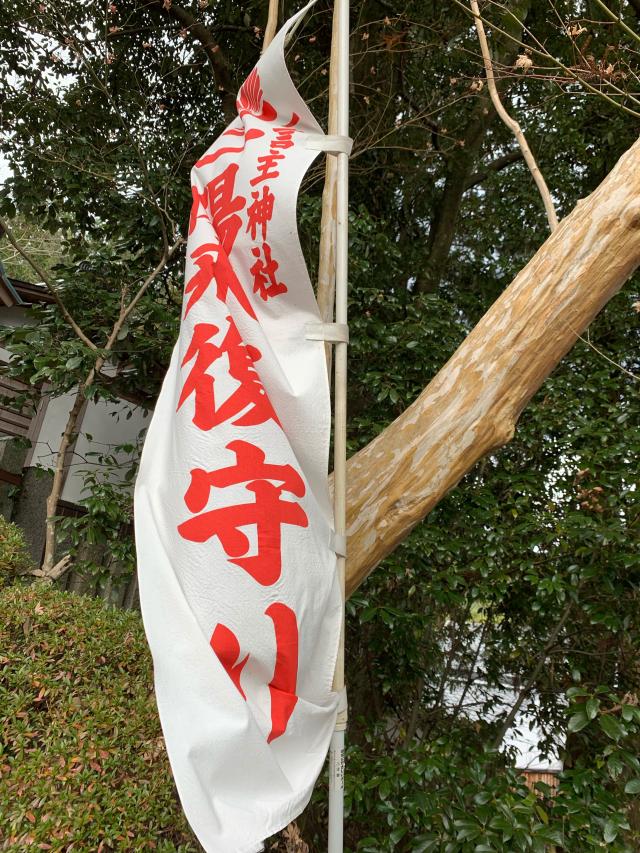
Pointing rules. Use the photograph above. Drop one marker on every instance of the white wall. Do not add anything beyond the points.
(108, 426)
(104, 426)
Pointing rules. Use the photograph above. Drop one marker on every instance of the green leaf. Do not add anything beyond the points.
(578, 721)
(591, 707)
(482, 798)
(611, 727)
(632, 786)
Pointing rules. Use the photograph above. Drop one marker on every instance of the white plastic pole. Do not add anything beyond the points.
(336, 754)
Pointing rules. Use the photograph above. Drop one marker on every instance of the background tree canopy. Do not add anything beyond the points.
(527, 575)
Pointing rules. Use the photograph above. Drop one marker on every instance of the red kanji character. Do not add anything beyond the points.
(260, 212)
(250, 100)
(284, 135)
(227, 648)
(283, 685)
(199, 200)
(250, 394)
(265, 271)
(216, 269)
(268, 512)
(267, 167)
(252, 133)
(224, 207)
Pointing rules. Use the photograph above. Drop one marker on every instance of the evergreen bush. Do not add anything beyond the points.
(83, 765)
(14, 557)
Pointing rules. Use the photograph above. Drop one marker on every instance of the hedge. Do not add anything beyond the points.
(83, 765)
(14, 557)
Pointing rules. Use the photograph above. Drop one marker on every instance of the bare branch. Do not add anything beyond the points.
(618, 20)
(492, 167)
(540, 51)
(74, 414)
(526, 689)
(4, 228)
(511, 123)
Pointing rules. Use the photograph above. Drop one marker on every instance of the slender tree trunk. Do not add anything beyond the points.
(472, 406)
(461, 163)
(58, 476)
(47, 570)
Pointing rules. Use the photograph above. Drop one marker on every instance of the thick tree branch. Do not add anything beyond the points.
(492, 167)
(217, 60)
(460, 165)
(472, 406)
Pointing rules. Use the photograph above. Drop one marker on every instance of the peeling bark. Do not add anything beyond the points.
(473, 404)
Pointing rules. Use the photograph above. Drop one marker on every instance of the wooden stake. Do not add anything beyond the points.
(272, 24)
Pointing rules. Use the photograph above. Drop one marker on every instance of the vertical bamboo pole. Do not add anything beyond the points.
(336, 754)
(326, 289)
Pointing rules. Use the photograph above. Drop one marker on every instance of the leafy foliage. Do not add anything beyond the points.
(14, 557)
(82, 758)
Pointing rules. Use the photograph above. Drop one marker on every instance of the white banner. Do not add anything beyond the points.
(238, 587)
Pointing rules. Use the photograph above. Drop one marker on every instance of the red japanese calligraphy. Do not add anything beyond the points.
(216, 269)
(284, 134)
(251, 133)
(227, 648)
(268, 512)
(251, 102)
(199, 200)
(249, 401)
(282, 687)
(267, 168)
(249, 530)
(268, 163)
(264, 271)
(224, 206)
(260, 212)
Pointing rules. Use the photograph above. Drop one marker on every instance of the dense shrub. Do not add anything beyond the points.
(14, 558)
(82, 761)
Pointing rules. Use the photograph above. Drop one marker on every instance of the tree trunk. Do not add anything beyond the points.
(471, 407)
(461, 163)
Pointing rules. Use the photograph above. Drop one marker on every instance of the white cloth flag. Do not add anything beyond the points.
(238, 587)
